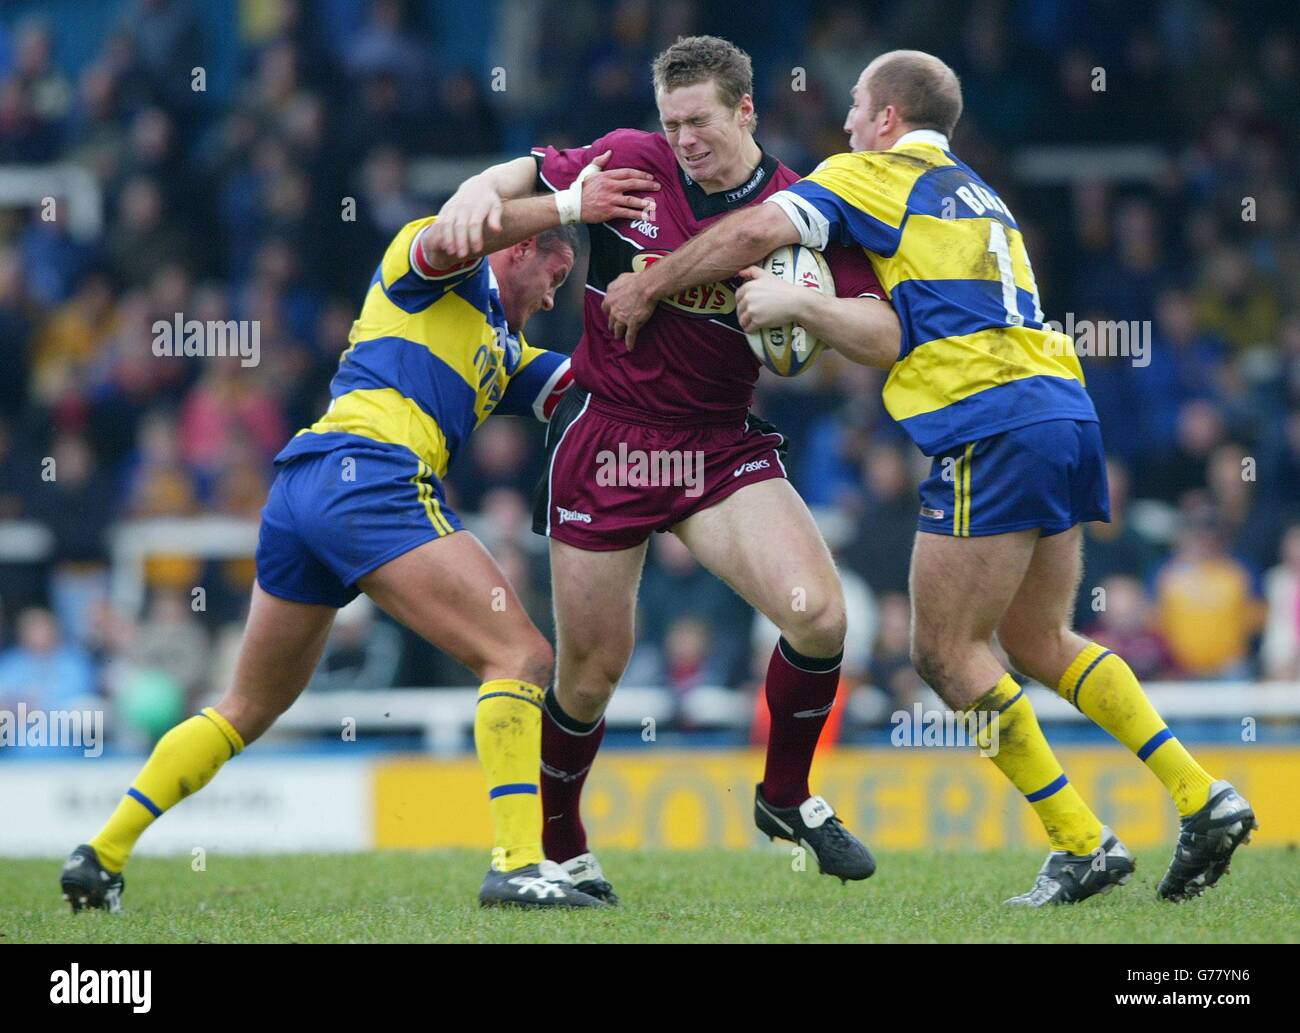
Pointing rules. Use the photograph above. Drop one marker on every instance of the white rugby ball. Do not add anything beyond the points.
(790, 349)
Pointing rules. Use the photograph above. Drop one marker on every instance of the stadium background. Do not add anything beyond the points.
(1149, 152)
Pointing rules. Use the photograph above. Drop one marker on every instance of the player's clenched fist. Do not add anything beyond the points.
(459, 229)
(627, 306)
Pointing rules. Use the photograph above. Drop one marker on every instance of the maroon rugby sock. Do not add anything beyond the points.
(568, 748)
(800, 694)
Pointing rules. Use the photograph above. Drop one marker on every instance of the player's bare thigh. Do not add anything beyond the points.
(762, 541)
(282, 644)
(594, 595)
(451, 592)
(1036, 629)
(960, 589)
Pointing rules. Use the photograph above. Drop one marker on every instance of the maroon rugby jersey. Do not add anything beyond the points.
(691, 357)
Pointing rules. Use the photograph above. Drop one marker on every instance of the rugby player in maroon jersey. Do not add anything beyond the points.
(681, 400)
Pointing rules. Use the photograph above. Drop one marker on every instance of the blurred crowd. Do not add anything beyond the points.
(227, 198)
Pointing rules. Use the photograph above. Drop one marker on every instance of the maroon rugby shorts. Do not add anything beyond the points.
(614, 475)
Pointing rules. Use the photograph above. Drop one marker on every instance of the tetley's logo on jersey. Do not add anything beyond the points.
(710, 299)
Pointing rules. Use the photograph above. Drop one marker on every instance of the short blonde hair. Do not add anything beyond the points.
(697, 59)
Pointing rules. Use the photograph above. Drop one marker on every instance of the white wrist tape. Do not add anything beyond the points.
(568, 202)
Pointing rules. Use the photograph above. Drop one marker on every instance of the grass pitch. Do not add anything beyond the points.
(716, 896)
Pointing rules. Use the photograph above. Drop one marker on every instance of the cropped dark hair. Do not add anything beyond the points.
(556, 237)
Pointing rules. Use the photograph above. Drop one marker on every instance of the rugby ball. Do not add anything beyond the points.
(790, 349)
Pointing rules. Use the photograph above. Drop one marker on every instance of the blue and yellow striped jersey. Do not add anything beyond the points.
(975, 359)
(431, 357)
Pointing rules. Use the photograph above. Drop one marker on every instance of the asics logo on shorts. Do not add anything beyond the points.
(567, 515)
(750, 467)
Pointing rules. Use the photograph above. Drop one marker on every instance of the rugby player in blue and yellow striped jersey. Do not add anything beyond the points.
(983, 386)
(357, 506)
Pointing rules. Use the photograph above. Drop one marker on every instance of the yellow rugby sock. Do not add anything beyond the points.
(1020, 751)
(1104, 688)
(183, 762)
(508, 738)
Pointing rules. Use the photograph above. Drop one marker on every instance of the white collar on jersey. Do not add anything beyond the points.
(495, 288)
(930, 136)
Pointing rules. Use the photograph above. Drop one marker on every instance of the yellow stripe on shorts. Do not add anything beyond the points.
(424, 491)
(961, 494)
(965, 510)
(956, 498)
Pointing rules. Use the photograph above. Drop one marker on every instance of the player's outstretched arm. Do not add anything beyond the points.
(863, 330)
(473, 218)
(518, 220)
(601, 196)
(477, 203)
(730, 244)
